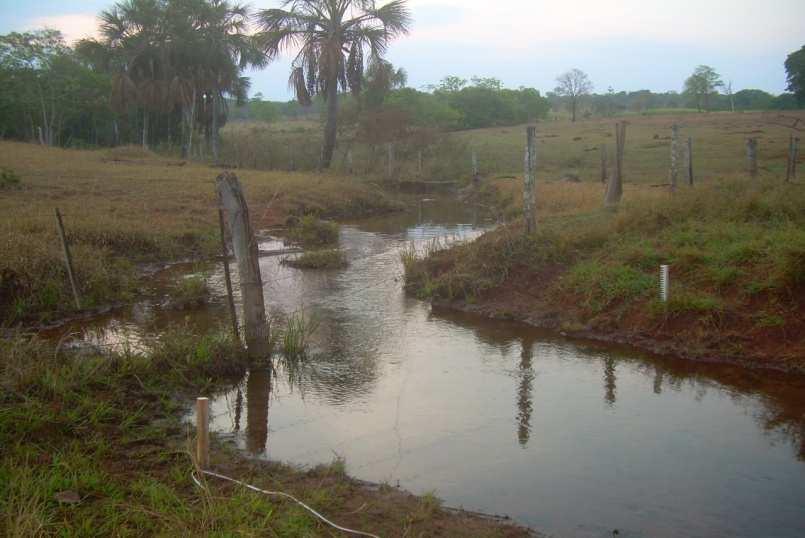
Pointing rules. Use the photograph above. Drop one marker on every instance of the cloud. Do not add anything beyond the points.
(73, 26)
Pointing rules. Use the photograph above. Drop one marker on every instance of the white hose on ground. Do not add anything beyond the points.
(281, 494)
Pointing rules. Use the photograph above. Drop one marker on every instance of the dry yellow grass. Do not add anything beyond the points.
(125, 205)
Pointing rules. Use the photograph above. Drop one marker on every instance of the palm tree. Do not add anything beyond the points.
(331, 36)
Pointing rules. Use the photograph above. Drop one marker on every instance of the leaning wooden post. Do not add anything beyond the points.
(615, 185)
(244, 244)
(674, 156)
(751, 157)
(227, 278)
(529, 184)
(689, 163)
(203, 432)
(604, 172)
(68, 259)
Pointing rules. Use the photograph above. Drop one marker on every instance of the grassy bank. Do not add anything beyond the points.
(92, 446)
(125, 206)
(736, 251)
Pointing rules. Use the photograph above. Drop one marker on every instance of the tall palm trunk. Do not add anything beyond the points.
(215, 127)
(330, 127)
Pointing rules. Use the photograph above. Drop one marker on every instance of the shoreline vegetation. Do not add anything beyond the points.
(93, 445)
(736, 251)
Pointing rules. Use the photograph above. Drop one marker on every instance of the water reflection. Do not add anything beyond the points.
(610, 387)
(258, 390)
(524, 401)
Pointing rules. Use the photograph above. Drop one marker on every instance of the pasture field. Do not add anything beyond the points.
(124, 206)
(563, 148)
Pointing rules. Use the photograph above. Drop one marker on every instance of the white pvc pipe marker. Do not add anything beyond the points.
(664, 283)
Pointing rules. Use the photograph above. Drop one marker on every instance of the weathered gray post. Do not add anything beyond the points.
(68, 259)
(689, 163)
(227, 278)
(529, 187)
(231, 198)
(615, 186)
(793, 155)
(389, 161)
(751, 157)
(674, 156)
(419, 163)
(604, 172)
(476, 178)
(349, 161)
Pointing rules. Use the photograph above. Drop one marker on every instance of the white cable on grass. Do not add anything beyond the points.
(281, 494)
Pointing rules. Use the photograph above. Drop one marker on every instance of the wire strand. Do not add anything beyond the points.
(280, 494)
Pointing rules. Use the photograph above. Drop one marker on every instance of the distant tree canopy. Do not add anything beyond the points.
(47, 93)
(573, 86)
(702, 85)
(795, 71)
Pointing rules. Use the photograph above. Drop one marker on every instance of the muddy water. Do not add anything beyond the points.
(570, 438)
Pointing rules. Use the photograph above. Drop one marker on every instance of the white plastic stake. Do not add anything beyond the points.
(664, 283)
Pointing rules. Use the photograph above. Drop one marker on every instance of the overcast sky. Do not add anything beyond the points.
(625, 44)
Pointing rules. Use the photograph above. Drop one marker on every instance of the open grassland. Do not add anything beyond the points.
(736, 251)
(93, 446)
(719, 146)
(563, 148)
(125, 206)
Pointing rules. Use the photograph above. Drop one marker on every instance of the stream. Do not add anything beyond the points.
(570, 438)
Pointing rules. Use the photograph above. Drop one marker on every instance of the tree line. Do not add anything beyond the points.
(170, 72)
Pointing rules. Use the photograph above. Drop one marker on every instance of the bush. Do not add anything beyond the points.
(310, 232)
(318, 259)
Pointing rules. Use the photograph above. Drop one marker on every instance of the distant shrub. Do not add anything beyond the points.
(319, 259)
(9, 179)
(310, 232)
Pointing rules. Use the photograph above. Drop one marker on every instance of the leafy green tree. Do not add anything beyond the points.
(753, 100)
(573, 86)
(381, 79)
(702, 85)
(46, 92)
(795, 74)
(332, 37)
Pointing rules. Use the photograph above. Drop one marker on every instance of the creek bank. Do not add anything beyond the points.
(96, 441)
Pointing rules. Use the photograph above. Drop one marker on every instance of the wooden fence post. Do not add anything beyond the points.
(231, 198)
(604, 172)
(68, 259)
(227, 278)
(476, 178)
(203, 432)
(615, 186)
(419, 163)
(689, 163)
(349, 161)
(674, 156)
(793, 155)
(751, 157)
(529, 187)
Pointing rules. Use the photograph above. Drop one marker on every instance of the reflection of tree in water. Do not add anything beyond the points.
(524, 403)
(610, 381)
(780, 404)
(258, 390)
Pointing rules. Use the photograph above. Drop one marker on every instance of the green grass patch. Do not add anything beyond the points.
(319, 259)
